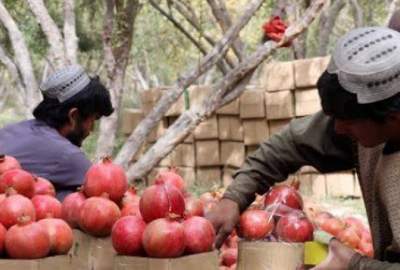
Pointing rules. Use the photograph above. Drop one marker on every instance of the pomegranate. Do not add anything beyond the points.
(349, 237)
(27, 240)
(60, 234)
(229, 256)
(8, 163)
(164, 238)
(294, 228)
(3, 232)
(199, 234)
(366, 235)
(44, 187)
(321, 217)
(14, 207)
(131, 209)
(194, 207)
(130, 196)
(98, 215)
(46, 206)
(171, 177)
(19, 180)
(366, 248)
(355, 223)
(159, 200)
(127, 235)
(71, 208)
(333, 226)
(284, 198)
(255, 224)
(105, 177)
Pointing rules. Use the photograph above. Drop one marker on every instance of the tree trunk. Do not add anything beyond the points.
(326, 23)
(51, 31)
(22, 60)
(139, 135)
(117, 46)
(227, 89)
(70, 38)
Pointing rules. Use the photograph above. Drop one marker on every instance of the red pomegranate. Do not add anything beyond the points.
(366, 235)
(294, 228)
(27, 240)
(130, 196)
(46, 206)
(127, 235)
(131, 209)
(349, 237)
(105, 177)
(71, 208)
(8, 163)
(19, 180)
(164, 238)
(159, 200)
(44, 187)
(229, 256)
(355, 223)
(366, 248)
(255, 224)
(98, 215)
(60, 234)
(171, 177)
(199, 234)
(194, 207)
(285, 198)
(333, 226)
(3, 232)
(14, 207)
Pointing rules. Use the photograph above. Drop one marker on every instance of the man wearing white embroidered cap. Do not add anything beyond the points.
(49, 145)
(359, 128)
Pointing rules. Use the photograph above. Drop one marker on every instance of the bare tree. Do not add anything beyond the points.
(225, 91)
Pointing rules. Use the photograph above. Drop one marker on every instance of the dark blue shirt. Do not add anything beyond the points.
(42, 151)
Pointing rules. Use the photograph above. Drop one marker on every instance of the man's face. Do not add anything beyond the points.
(81, 131)
(367, 132)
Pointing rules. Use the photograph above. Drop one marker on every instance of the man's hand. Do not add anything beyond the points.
(338, 258)
(224, 218)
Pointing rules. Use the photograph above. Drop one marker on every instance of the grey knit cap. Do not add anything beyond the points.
(65, 83)
(367, 62)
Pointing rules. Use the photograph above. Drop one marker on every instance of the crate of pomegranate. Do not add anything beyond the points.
(277, 232)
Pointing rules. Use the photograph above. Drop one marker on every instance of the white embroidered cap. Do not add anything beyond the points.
(65, 83)
(367, 62)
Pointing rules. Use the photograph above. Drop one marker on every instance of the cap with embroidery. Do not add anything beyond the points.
(367, 62)
(65, 83)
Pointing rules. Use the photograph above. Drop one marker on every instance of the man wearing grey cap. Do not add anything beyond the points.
(359, 128)
(49, 145)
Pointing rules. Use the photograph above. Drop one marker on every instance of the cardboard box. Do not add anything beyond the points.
(60, 262)
(183, 155)
(149, 98)
(255, 131)
(231, 108)
(230, 128)
(227, 176)
(232, 154)
(308, 71)
(340, 184)
(252, 104)
(130, 119)
(201, 261)
(80, 250)
(207, 153)
(208, 129)
(276, 126)
(278, 76)
(307, 102)
(251, 148)
(101, 254)
(208, 177)
(279, 105)
(188, 174)
(261, 255)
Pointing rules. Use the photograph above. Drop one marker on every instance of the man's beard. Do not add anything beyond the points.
(76, 136)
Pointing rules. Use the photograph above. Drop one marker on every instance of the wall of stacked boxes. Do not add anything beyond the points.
(219, 145)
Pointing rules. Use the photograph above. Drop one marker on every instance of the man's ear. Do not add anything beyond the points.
(73, 115)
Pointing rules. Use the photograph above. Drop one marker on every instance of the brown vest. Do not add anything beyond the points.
(379, 177)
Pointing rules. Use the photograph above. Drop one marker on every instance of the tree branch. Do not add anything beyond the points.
(394, 5)
(51, 31)
(70, 37)
(234, 83)
(138, 136)
(358, 13)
